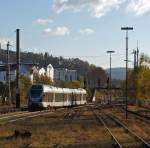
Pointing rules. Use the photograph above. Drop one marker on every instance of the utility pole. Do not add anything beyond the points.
(8, 74)
(18, 68)
(137, 65)
(126, 97)
(110, 52)
(135, 56)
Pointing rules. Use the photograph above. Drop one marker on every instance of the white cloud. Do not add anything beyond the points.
(58, 31)
(139, 7)
(97, 7)
(43, 21)
(86, 31)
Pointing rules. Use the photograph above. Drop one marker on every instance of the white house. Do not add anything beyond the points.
(42, 71)
(30, 72)
(63, 74)
(50, 72)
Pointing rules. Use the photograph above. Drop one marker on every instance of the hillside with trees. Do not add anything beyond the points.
(94, 76)
(43, 59)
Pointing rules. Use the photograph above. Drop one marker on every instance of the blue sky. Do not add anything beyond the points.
(77, 28)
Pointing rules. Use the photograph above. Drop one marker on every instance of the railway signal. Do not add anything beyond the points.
(109, 86)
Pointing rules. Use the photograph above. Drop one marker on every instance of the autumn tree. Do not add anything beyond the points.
(139, 80)
(42, 79)
(25, 84)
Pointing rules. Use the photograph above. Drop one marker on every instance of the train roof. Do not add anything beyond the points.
(50, 88)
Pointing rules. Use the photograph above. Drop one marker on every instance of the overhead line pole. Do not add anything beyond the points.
(126, 89)
(135, 58)
(18, 68)
(137, 55)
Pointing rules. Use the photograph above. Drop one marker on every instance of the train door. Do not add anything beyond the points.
(80, 99)
(63, 99)
(73, 99)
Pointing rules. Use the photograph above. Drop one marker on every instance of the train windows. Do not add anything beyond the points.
(78, 97)
(84, 96)
(69, 97)
(65, 97)
(36, 91)
(51, 97)
(48, 97)
(45, 98)
(59, 97)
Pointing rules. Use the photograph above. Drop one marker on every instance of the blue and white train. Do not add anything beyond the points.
(46, 96)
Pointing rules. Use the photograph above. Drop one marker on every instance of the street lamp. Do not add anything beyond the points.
(8, 73)
(110, 52)
(126, 97)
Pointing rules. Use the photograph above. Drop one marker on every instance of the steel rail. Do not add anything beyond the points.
(20, 114)
(146, 144)
(6, 110)
(139, 117)
(138, 114)
(104, 124)
(14, 118)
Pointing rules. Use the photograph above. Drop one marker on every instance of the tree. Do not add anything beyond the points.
(25, 84)
(139, 80)
(42, 79)
(96, 77)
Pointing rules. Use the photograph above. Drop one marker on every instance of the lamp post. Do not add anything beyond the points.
(8, 74)
(110, 53)
(126, 88)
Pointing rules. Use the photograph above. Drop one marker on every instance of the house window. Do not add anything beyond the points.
(65, 77)
(59, 76)
(70, 77)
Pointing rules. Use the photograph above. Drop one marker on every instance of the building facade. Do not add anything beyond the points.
(62, 74)
(3, 74)
(50, 72)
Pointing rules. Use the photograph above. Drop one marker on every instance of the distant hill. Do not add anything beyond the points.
(118, 73)
(43, 59)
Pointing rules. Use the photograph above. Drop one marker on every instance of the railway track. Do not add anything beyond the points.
(75, 112)
(115, 142)
(17, 116)
(139, 115)
(6, 110)
(72, 114)
(22, 116)
(114, 126)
